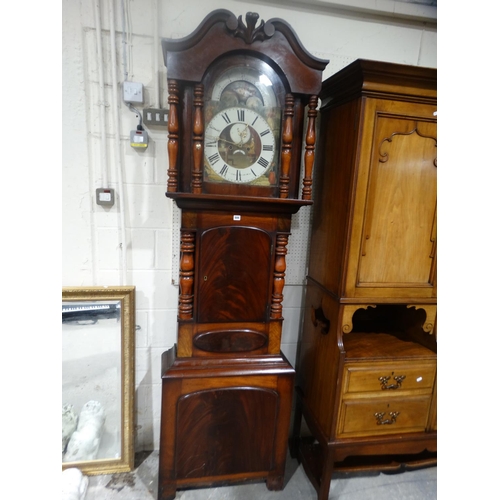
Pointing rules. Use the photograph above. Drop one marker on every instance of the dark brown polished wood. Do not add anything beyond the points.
(366, 368)
(226, 420)
(226, 387)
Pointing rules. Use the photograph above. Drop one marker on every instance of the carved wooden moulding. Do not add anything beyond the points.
(226, 341)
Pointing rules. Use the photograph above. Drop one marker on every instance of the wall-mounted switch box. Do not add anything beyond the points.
(139, 139)
(133, 92)
(155, 116)
(105, 197)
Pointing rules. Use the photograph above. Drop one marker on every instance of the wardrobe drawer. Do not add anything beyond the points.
(383, 416)
(387, 378)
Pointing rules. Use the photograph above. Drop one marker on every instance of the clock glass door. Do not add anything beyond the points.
(243, 124)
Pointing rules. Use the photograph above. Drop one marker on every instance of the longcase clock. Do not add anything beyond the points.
(242, 98)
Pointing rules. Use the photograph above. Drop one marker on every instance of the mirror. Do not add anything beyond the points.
(98, 383)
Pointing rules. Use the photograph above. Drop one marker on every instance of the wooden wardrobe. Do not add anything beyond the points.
(366, 367)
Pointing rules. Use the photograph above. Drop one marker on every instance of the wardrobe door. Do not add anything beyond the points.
(396, 244)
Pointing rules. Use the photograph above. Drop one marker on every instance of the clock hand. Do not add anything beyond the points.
(221, 139)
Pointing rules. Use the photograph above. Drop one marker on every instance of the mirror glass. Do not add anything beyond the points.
(91, 380)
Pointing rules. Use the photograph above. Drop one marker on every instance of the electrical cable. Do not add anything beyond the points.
(139, 127)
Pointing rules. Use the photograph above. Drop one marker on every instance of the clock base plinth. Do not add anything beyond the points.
(223, 421)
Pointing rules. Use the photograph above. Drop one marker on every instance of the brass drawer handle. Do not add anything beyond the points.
(398, 378)
(388, 421)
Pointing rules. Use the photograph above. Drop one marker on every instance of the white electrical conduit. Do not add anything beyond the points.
(102, 104)
(127, 28)
(117, 149)
(124, 43)
(156, 45)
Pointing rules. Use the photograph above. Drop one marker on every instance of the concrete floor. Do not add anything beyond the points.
(141, 484)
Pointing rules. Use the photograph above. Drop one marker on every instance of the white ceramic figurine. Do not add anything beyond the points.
(84, 443)
(69, 422)
(74, 484)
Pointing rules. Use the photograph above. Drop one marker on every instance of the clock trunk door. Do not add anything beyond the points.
(234, 270)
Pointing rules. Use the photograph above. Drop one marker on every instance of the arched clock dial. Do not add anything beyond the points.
(241, 104)
(239, 145)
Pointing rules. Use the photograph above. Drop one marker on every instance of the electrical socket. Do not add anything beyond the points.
(133, 92)
(155, 116)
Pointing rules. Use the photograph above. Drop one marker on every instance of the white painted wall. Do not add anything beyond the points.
(340, 31)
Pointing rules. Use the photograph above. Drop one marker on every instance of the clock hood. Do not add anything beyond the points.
(221, 32)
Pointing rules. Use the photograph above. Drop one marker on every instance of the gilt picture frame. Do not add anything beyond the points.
(98, 376)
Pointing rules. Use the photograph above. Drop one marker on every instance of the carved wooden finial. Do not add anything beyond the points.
(250, 33)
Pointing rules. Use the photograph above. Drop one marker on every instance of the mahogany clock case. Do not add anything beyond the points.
(238, 95)
(235, 306)
(224, 421)
(234, 234)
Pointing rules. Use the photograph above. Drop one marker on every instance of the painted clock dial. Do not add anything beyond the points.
(239, 145)
(244, 86)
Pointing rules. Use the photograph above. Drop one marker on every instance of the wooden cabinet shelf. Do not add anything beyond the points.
(383, 346)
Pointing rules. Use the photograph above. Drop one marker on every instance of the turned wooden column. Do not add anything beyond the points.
(310, 145)
(186, 275)
(197, 173)
(286, 148)
(173, 135)
(279, 276)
